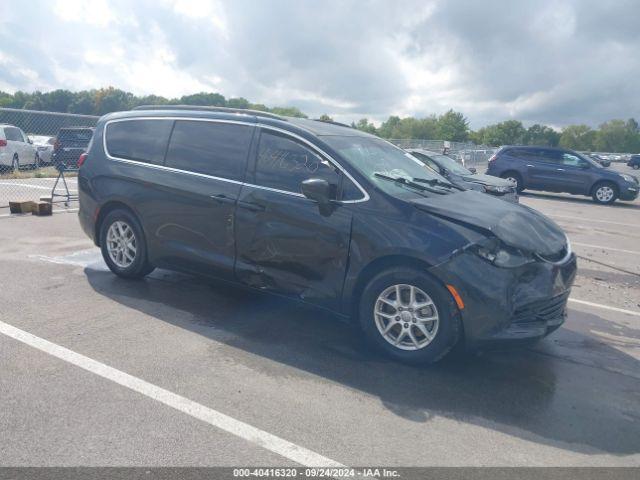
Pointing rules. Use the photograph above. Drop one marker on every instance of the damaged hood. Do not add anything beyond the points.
(516, 225)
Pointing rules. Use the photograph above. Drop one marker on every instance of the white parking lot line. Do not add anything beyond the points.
(632, 252)
(28, 185)
(605, 307)
(224, 422)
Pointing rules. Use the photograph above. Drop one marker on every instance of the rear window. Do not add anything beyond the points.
(13, 134)
(212, 148)
(76, 136)
(140, 140)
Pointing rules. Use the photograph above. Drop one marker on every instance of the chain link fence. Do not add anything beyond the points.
(32, 145)
(469, 154)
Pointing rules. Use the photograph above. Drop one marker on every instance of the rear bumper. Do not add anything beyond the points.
(504, 305)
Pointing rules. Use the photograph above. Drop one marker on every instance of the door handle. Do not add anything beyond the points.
(560, 169)
(529, 165)
(222, 198)
(254, 207)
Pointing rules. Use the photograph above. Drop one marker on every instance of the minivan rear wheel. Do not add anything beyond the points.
(409, 316)
(123, 245)
(605, 193)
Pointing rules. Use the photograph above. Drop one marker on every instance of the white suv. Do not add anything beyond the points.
(16, 149)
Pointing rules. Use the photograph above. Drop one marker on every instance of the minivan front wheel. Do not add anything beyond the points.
(605, 193)
(123, 245)
(409, 316)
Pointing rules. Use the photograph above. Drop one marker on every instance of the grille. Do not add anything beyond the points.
(544, 310)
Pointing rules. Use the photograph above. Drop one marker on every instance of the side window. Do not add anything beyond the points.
(13, 134)
(283, 164)
(140, 140)
(572, 160)
(211, 148)
(349, 190)
(551, 156)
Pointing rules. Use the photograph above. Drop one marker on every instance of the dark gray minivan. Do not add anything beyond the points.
(324, 214)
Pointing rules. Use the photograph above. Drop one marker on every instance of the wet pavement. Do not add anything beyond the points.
(300, 374)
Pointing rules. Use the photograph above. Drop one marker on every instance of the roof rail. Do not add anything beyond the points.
(257, 113)
(332, 122)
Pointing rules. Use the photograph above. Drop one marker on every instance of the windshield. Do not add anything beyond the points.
(374, 155)
(447, 163)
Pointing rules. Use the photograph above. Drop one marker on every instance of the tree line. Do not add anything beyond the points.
(612, 136)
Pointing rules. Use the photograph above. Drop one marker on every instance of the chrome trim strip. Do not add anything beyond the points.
(564, 259)
(216, 120)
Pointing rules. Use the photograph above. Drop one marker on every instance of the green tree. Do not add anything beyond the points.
(325, 118)
(365, 126)
(578, 137)
(452, 126)
(542, 135)
(288, 112)
(205, 99)
(112, 100)
(510, 132)
(618, 136)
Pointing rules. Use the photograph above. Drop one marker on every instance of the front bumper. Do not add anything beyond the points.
(508, 196)
(629, 191)
(508, 305)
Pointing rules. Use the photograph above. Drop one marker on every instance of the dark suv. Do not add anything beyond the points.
(634, 162)
(558, 170)
(70, 143)
(324, 214)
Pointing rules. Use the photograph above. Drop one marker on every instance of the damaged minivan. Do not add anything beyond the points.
(328, 215)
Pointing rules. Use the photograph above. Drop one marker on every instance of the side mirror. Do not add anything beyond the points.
(472, 170)
(585, 166)
(318, 190)
(321, 191)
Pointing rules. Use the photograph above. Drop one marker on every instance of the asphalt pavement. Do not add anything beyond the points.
(180, 371)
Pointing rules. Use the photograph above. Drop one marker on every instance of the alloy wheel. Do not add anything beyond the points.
(406, 317)
(604, 193)
(121, 244)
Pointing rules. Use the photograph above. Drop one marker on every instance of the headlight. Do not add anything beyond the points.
(497, 189)
(501, 255)
(628, 178)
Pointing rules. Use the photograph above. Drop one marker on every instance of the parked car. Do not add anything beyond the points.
(634, 162)
(44, 148)
(602, 161)
(559, 170)
(466, 177)
(70, 143)
(327, 215)
(16, 150)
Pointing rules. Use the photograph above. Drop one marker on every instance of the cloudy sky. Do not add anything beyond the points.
(555, 62)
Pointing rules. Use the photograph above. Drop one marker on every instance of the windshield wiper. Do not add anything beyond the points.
(409, 183)
(435, 181)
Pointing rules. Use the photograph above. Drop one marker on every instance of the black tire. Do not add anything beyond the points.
(140, 266)
(449, 326)
(517, 178)
(15, 164)
(598, 196)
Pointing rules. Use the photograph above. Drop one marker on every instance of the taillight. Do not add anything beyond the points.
(81, 159)
(3, 143)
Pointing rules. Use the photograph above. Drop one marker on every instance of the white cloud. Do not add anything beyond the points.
(547, 61)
